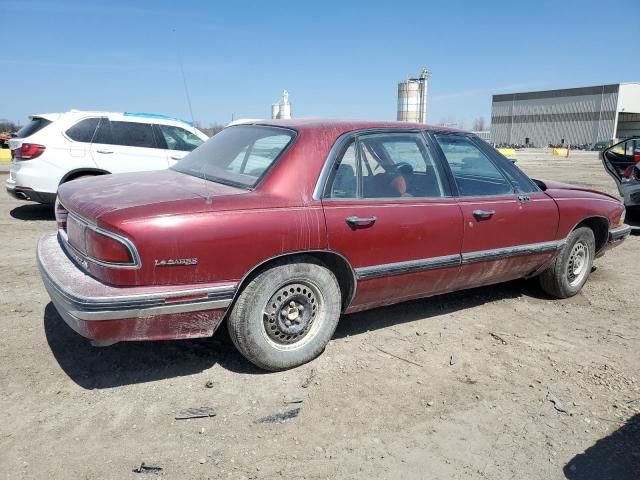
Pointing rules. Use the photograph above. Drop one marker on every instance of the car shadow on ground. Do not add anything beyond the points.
(35, 211)
(616, 457)
(362, 322)
(138, 362)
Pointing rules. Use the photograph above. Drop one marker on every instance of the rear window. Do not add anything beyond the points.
(35, 125)
(237, 156)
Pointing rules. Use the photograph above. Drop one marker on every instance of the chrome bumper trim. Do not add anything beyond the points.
(109, 303)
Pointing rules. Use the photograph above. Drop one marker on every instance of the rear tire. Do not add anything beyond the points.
(569, 272)
(286, 315)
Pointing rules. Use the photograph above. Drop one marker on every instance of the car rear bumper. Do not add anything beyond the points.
(22, 193)
(108, 314)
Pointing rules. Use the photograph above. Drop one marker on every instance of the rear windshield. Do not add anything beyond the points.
(237, 156)
(35, 125)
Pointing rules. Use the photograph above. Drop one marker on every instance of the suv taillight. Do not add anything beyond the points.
(28, 151)
(61, 215)
(106, 249)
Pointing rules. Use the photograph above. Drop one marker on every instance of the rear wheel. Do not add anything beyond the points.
(569, 272)
(286, 315)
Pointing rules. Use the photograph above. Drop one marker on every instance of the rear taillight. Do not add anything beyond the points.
(61, 215)
(106, 249)
(28, 151)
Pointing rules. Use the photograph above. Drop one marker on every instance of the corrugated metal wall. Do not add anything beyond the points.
(577, 115)
(628, 125)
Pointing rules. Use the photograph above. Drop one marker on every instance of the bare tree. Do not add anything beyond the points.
(447, 122)
(8, 126)
(479, 125)
(209, 131)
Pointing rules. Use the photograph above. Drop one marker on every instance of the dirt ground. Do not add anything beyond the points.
(453, 387)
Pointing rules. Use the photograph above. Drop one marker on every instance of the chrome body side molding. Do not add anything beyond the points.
(420, 265)
(411, 266)
(500, 253)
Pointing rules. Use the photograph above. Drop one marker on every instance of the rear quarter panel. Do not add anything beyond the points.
(227, 245)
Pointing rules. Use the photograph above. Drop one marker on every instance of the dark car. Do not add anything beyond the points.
(279, 227)
(622, 162)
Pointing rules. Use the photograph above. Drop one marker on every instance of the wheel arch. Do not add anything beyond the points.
(78, 172)
(334, 261)
(600, 227)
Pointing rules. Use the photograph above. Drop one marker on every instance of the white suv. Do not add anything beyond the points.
(56, 148)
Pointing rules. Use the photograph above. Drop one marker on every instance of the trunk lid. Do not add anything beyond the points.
(107, 198)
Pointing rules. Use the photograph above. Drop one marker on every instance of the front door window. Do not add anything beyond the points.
(474, 173)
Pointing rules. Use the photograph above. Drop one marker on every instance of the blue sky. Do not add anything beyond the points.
(336, 58)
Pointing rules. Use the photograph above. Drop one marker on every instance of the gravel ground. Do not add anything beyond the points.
(457, 386)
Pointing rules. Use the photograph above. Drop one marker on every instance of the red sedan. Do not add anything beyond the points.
(279, 227)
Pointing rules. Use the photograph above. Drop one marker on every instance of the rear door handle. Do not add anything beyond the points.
(360, 221)
(176, 158)
(104, 151)
(483, 214)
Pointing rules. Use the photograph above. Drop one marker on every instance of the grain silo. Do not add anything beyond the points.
(282, 109)
(412, 99)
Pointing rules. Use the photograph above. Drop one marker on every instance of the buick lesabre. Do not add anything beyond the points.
(279, 227)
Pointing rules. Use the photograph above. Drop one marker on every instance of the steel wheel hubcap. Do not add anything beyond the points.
(290, 312)
(578, 263)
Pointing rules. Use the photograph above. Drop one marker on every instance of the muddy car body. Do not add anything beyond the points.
(279, 227)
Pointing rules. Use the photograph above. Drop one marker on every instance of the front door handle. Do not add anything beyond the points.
(104, 151)
(483, 214)
(173, 157)
(360, 221)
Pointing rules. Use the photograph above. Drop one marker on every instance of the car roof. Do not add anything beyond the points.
(129, 116)
(340, 126)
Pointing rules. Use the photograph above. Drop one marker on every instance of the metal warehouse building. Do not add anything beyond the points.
(569, 116)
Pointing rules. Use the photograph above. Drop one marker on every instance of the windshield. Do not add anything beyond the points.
(237, 156)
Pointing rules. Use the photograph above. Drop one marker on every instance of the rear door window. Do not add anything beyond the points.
(35, 125)
(84, 130)
(178, 138)
(132, 134)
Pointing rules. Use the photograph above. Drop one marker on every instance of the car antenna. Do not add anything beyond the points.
(193, 121)
(184, 80)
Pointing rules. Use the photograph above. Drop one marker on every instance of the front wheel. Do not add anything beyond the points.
(287, 314)
(569, 272)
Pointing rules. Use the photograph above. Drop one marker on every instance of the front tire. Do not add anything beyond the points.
(287, 314)
(569, 272)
